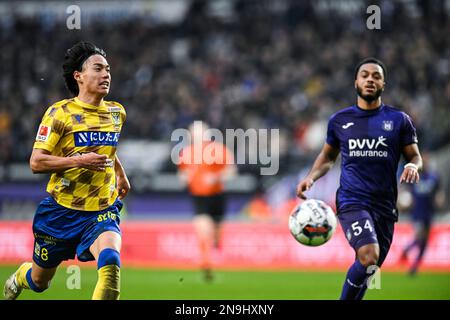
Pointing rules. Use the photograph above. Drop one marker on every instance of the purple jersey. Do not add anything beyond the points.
(424, 193)
(371, 144)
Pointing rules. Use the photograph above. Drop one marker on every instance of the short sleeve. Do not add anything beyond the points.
(332, 139)
(51, 129)
(408, 133)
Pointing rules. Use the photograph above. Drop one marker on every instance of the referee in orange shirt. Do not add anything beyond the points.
(204, 167)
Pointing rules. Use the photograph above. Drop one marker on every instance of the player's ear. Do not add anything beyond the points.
(77, 75)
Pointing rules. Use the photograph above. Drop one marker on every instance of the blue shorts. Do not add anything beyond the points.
(60, 233)
(365, 226)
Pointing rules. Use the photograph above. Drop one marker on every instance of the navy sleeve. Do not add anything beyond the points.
(332, 139)
(408, 132)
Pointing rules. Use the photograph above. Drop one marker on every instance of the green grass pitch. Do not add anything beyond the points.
(151, 284)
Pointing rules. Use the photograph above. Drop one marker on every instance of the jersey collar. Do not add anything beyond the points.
(359, 109)
(87, 105)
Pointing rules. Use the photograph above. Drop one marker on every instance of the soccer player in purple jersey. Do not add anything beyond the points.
(427, 195)
(371, 137)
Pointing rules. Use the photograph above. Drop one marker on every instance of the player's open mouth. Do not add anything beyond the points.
(105, 84)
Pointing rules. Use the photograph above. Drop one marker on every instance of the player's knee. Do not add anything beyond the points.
(368, 261)
(368, 257)
(107, 257)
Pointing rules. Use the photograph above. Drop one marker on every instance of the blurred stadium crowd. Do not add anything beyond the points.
(261, 64)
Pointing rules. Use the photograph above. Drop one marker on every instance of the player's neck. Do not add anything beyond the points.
(90, 99)
(365, 105)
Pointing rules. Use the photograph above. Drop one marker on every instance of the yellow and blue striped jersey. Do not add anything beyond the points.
(71, 127)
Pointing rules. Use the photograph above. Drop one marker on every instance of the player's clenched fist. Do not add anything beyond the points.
(94, 161)
(304, 185)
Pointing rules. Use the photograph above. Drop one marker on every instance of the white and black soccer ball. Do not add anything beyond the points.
(312, 223)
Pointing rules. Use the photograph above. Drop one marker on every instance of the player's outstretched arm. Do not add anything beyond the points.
(413, 158)
(123, 184)
(41, 161)
(323, 163)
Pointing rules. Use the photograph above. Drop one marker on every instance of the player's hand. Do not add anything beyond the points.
(94, 161)
(303, 186)
(410, 175)
(123, 186)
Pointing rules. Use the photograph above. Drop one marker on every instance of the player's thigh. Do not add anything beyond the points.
(202, 214)
(217, 206)
(385, 233)
(204, 224)
(48, 254)
(55, 234)
(107, 239)
(101, 231)
(358, 227)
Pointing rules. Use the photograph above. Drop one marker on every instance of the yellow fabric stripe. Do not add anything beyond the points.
(108, 283)
(21, 275)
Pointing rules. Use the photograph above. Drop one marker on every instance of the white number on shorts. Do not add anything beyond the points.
(357, 229)
(368, 226)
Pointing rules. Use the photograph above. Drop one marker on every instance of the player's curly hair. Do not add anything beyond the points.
(74, 59)
(370, 60)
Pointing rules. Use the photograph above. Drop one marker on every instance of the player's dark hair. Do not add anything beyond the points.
(74, 59)
(371, 60)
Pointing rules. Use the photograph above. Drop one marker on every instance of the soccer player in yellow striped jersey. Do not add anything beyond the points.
(76, 142)
(72, 128)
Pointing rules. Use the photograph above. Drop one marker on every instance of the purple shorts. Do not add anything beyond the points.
(362, 226)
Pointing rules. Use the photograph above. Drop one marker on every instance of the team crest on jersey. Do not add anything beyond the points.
(43, 133)
(115, 118)
(388, 125)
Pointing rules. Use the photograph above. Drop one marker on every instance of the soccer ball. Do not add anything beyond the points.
(312, 223)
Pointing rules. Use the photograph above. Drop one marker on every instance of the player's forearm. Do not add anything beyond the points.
(416, 160)
(118, 168)
(45, 163)
(412, 155)
(320, 167)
